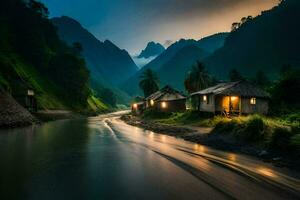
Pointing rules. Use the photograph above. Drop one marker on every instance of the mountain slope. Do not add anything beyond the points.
(152, 49)
(174, 71)
(104, 59)
(265, 43)
(206, 45)
(33, 57)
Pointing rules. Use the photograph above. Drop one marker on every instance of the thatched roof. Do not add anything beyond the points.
(166, 94)
(240, 88)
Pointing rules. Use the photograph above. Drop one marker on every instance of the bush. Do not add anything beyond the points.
(295, 143)
(254, 129)
(280, 140)
(155, 114)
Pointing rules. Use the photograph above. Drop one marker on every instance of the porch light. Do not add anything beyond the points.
(204, 98)
(253, 101)
(233, 98)
(163, 104)
(151, 102)
(135, 106)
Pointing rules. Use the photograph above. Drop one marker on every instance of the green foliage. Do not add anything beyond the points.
(33, 56)
(295, 143)
(234, 75)
(96, 105)
(254, 129)
(108, 97)
(280, 140)
(155, 114)
(285, 93)
(149, 82)
(197, 79)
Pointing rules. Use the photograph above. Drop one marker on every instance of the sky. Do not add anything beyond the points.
(131, 24)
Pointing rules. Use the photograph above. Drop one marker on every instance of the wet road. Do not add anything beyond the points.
(103, 158)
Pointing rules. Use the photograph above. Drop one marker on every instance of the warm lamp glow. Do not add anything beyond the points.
(135, 106)
(151, 102)
(253, 101)
(204, 98)
(163, 104)
(233, 98)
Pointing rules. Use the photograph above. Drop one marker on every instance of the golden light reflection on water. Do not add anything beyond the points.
(163, 138)
(232, 157)
(199, 148)
(267, 172)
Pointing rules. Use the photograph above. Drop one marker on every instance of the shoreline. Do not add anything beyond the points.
(200, 135)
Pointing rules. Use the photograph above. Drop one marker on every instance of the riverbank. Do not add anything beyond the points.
(213, 135)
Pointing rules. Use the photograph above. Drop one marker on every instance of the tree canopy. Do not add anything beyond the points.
(149, 82)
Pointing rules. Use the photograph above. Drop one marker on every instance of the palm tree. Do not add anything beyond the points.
(149, 82)
(197, 79)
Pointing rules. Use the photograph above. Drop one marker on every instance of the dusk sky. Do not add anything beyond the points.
(131, 24)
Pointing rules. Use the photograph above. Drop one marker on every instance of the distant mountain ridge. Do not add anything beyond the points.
(105, 60)
(152, 49)
(265, 43)
(173, 64)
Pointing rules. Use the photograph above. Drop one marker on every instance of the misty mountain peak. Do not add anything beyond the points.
(152, 49)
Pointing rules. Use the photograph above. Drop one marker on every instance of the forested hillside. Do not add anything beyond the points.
(32, 56)
(265, 43)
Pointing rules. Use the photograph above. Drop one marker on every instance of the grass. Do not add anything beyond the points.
(95, 105)
(278, 134)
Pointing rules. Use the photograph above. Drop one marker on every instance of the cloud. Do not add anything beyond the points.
(141, 62)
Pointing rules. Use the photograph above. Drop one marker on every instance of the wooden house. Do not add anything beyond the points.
(167, 100)
(239, 97)
(138, 107)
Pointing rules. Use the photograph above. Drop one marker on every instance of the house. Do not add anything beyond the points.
(167, 100)
(239, 97)
(138, 107)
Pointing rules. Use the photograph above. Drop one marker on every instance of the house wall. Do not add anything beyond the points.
(209, 105)
(172, 106)
(261, 106)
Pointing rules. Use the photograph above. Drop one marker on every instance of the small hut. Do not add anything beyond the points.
(239, 97)
(138, 107)
(167, 100)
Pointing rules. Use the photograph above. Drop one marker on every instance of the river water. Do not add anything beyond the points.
(103, 158)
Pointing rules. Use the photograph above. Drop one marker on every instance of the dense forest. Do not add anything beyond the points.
(266, 42)
(33, 56)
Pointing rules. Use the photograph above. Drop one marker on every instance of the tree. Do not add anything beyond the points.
(261, 79)
(197, 79)
(234, 75)
(108, 97)
(149, 82)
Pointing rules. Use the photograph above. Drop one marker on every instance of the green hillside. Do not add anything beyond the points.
(33, 57)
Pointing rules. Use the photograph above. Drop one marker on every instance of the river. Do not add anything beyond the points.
(104, 158)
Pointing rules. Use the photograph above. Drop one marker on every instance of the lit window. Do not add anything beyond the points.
(151, 102)
(163, 104)
(204, 98)
(253, 101)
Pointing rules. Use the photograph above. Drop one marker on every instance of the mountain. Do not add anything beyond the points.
(265, 43)
(106, 61)
(178, 58)
(174, 71)
(152, 49)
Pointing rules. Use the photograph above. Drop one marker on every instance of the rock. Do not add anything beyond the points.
(12, 114)
(263, 153)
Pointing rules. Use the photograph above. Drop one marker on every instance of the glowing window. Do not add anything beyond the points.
(163, 104)
(204, 98)
(253, 101)
(151, 102)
